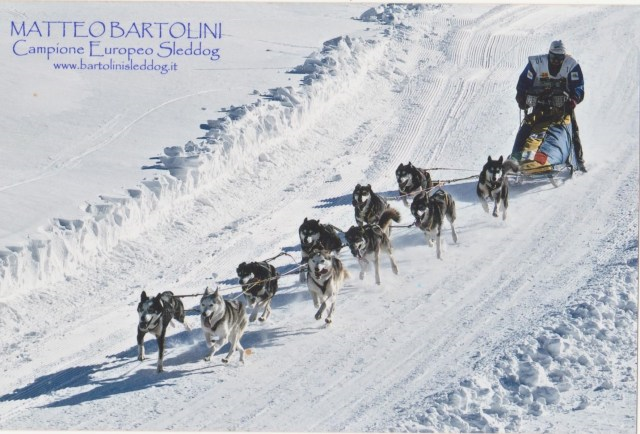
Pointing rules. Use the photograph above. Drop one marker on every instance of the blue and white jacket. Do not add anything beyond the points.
(537, 71)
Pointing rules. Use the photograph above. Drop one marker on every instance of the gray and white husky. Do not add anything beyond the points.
(493, 184)
(222, 321)
(325, 279)
(154, 316)
(430, 213)
(368, 240)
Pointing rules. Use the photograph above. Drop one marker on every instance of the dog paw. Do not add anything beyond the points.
(261, 319)
(318, 316)
(225, 360)
(206, 359)
(141, 358)
(495, 214)
(328, 320)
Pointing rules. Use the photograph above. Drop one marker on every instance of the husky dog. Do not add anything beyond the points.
(430, 212)
(368, 205)
(259, 282)
(222, 321)
(155, 315)
(412, 179)
(368, 240)
(493, 184)
(324, 280)
(312, 234)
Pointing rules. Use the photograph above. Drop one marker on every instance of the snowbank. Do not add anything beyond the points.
(243, 134)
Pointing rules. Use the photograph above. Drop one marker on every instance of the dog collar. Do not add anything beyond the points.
(322, 285)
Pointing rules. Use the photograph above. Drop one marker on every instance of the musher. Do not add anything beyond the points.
(557, 68)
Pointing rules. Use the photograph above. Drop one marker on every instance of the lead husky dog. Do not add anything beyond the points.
(368, 240)
(412, 179)
(259, 282)
(430, 212)
(325, 279)
(368, 205)
(222, 321)
(313, 234)
(493, 184)
(155, 314)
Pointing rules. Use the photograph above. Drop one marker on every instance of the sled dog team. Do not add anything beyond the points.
(224, 321)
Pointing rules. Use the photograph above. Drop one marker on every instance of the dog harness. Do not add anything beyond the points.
(153, 324)
(431, 221)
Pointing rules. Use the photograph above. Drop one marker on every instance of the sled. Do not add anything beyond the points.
(556, 174)
(543, 148)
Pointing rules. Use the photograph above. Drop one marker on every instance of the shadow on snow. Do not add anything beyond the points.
(144, 376)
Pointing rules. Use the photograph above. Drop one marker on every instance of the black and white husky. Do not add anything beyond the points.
(222, 321)
(259, 282)
(313, 234)
(324, 280)
(365, 241)
(430, 212)
(412, 179)
(368, 205)
(493, 184)
(155, 314)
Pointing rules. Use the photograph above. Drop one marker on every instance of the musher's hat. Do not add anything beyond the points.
(557, 47)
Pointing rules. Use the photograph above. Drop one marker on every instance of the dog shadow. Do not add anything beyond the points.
(140, 379)
(346, 199)
(465, 192)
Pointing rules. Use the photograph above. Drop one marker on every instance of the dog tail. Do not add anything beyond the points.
(387, 216)
(510, 166)
(340, 268)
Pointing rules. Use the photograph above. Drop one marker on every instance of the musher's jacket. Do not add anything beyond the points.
(537, 72)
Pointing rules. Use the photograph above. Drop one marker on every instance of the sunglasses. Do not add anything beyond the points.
(556, 58)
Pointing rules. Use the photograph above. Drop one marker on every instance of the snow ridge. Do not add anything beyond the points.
(244, 133)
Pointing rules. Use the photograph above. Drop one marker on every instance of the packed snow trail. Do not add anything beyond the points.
(469, 343)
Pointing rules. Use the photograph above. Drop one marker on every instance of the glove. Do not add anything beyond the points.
(521, 100)
(570, 103)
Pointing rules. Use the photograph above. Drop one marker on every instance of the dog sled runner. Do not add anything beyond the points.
(543, 148)
(556, 174)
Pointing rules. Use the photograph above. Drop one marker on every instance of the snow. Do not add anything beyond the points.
(117, 182)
